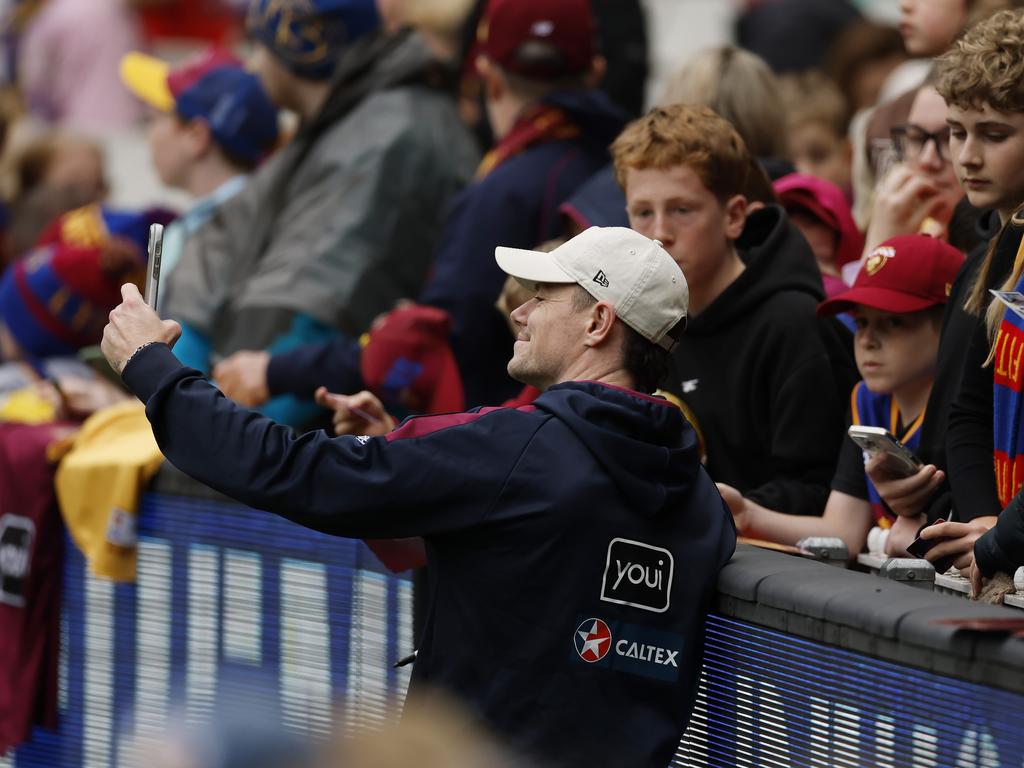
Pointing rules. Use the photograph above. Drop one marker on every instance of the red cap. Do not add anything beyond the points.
(565, 25)
(408, 361)
(903, 274)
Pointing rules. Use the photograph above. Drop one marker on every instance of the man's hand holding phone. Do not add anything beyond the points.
(134, 324)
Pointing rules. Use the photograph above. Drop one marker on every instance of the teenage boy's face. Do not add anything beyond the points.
(988, 154)
(672, 205)
(895, 351)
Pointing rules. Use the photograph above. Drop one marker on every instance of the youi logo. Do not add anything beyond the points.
(638, 575)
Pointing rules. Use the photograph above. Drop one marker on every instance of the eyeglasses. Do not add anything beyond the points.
(910, 141)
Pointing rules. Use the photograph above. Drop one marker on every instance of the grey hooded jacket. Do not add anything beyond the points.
(343, 221)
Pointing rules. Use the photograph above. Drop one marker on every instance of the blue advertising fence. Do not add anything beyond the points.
(225, 593)
(772, 699)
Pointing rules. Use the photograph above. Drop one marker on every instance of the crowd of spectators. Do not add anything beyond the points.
(841, 195)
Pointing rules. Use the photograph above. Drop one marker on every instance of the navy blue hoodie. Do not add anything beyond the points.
(573, 545)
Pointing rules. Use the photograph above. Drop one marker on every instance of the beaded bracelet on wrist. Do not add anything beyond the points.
(133, 354)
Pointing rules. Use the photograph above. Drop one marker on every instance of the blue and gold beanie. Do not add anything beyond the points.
(308, 35)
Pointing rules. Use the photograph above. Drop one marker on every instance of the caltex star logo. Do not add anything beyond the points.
(593, 640)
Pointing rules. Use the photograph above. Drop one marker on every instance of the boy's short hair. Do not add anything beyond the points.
(685, 135)
(812, 97)
(986, 65)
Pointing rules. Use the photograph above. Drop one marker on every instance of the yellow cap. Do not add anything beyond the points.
(146, 77)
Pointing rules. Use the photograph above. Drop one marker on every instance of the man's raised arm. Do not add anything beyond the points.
(378, 487)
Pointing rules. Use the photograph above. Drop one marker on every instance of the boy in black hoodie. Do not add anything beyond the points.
(760, 377)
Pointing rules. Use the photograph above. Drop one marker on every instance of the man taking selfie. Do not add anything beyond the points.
(573, 545)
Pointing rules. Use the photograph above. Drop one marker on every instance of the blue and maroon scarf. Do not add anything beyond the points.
(1008, 406)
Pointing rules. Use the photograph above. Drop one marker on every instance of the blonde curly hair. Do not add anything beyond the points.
(986, 65)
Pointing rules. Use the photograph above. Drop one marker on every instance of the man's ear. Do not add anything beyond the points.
(600, 321)
(735, 216)
(492, 78)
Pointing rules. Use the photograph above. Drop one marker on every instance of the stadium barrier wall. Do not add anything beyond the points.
(805, 665)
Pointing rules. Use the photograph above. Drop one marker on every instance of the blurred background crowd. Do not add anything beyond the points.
(335, 174)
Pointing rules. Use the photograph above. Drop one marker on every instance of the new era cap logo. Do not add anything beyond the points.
(637, 575)
(601, 279)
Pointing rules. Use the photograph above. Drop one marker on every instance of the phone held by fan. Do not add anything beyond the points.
(875, 440)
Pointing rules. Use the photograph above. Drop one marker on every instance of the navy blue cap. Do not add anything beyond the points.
(242, 119)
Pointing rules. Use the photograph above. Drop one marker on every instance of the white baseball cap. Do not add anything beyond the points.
(631, 272)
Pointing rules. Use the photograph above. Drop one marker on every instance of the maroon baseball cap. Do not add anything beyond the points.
(903, 274)
(407, 360)
(567, 26)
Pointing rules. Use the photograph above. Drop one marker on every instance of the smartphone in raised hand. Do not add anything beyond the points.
(156, 248)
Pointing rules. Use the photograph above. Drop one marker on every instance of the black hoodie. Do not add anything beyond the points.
(765, 381)
(573, 545)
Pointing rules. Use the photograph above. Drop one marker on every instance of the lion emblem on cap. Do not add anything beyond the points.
(878, 259)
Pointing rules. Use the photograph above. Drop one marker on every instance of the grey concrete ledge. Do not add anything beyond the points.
(864, 613)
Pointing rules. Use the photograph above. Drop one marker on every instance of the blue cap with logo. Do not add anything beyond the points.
(307, 35)
(213, 87)
(242, 119)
